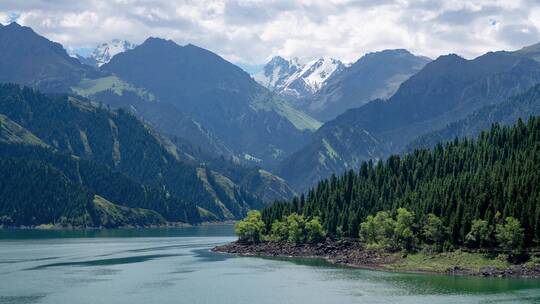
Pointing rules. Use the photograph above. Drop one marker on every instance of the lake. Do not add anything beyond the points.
(175, 266)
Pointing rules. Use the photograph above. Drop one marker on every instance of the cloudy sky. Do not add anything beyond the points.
(251, 31)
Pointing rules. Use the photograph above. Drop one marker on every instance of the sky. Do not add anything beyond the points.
(250, 32)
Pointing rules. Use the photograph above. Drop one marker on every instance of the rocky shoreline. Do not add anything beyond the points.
(351, 253)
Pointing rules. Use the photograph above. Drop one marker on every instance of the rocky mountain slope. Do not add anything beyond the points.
(375, 75)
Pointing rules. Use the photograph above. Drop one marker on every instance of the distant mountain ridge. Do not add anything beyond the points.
(32, 60)
(325, 87)
(521, 106)
(375, 75)
(531, 51)
(186, 91)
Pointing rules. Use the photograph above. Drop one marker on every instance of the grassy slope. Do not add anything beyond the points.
(88, 87)
(13, 133)
(226, 213)
(112, 215)
(299, 119)
(444, 261)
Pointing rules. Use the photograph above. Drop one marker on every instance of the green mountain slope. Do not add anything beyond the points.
(114, 148)
(112, 215)
(506, 113)
(253, 123)
(13, 133)
(101, 180)
(34, 193)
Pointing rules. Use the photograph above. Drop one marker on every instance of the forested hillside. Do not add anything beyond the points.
(116, 156)
(35, 193)
(92, 178)
(491, 178)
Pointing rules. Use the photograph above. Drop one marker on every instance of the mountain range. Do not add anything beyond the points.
(160, 133)
(325, 87)
(444, 91)
(205, 186)
(506, 113)
(184, 91)
(251, 121)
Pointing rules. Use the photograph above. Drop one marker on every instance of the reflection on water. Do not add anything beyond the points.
(204, 231)
(176, 266)
(105, 262)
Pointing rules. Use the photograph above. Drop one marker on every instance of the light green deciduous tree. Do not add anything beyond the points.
(250, 229)
(435, 232)
(480, 234)
(510, 234)
(315, 230)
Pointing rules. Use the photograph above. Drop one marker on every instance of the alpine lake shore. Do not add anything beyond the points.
(352, 253)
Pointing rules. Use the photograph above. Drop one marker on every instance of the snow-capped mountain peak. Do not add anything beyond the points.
(277, 71)
(105, 51)
(316, 72)
(295, 78)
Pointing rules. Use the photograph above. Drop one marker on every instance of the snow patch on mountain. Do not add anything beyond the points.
(105, 51)
(315, 73)
(277, 71)
(297, 79)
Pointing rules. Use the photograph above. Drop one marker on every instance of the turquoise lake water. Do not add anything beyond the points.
(175, 266)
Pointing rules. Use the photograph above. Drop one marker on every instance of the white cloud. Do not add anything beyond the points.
(252, 31)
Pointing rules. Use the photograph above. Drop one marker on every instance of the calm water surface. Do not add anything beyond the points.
(175, 266)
